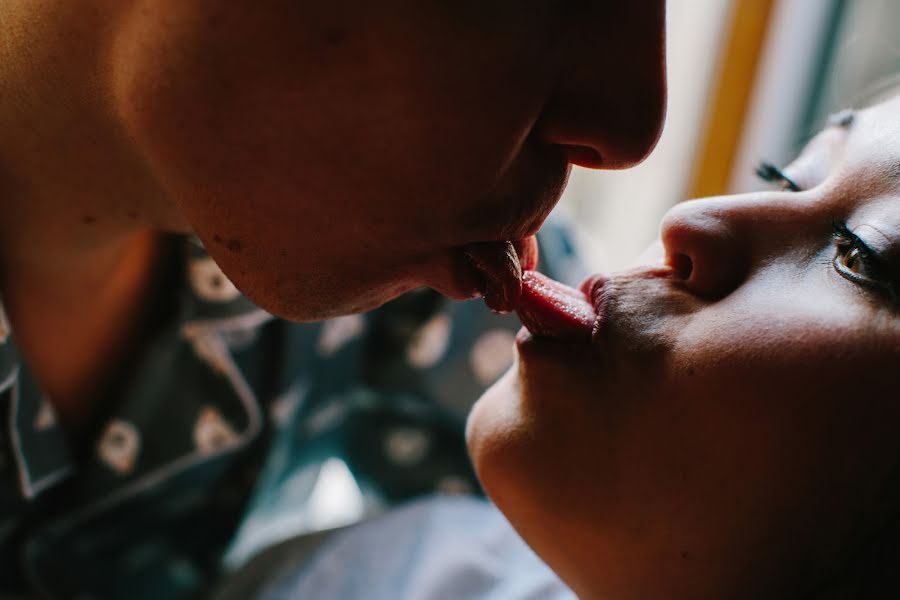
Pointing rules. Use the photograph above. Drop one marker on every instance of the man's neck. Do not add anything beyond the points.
(76, 322)
(80, 211)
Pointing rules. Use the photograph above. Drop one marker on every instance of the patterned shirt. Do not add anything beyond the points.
(237, 430)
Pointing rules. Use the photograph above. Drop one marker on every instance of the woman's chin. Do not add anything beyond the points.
(484, 414)
(491, 426)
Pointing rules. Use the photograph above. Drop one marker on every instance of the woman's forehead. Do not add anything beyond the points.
(868, 147)
(864, 126)
(881, 124)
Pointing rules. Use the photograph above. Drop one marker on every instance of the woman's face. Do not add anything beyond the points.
(333, 155)
(728, 433)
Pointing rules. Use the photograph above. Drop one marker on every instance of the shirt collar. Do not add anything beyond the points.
(209, 305)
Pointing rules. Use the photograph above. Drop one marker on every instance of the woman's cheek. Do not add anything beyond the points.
(494, 434)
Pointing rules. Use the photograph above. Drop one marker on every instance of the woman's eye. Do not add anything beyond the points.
(856, 261)
(850, 260)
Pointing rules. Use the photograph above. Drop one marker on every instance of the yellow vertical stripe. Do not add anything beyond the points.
(730, 96)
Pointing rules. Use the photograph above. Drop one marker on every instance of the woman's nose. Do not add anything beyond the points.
(707, 245)
(608, 104)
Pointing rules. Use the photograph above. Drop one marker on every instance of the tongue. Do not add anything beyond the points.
(548, 308)
(501, 264)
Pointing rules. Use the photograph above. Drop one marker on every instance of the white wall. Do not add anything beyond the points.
(617, 213)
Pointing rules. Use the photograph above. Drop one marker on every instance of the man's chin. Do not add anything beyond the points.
(311, 303)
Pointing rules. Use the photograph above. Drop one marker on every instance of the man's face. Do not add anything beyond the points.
(334, 155)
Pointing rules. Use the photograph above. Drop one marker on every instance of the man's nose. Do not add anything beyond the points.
(608, 105)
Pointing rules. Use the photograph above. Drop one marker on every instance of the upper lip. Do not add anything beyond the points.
(601, 289)
(596, 288)
(512, 211)
(520, 202)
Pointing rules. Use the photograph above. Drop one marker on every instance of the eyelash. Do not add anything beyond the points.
(845, 241)
(772, 174)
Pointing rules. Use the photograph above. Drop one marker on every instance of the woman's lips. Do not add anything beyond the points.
(501, 265)
(551, 309)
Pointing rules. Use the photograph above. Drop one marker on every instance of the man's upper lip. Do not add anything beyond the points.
(512, 213)
(520, 203)
(521, 221)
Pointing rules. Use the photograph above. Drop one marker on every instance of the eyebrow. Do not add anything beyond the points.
(843, 119)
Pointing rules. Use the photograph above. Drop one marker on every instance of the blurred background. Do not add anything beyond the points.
(749, 80)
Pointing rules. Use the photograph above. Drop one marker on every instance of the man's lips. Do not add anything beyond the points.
(501, 265)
